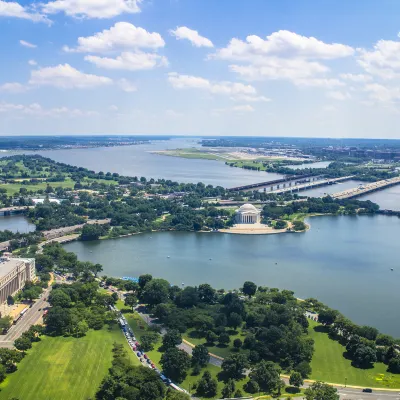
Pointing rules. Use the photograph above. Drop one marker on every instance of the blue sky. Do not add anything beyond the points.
(200, 67)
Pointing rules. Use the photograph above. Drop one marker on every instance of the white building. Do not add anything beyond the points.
(14, 273)
(248, 214)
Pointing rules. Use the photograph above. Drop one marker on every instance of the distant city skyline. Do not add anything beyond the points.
(289, 68)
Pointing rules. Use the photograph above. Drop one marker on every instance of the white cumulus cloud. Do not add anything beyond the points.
(64, 76)
(183, 32)
(127, 86)
(338, 95)
(12, 87)
(358, 78)
(32, 62)
(129, 61)
(121, 36)
(223, 87)
(92, 8)
(13, 9)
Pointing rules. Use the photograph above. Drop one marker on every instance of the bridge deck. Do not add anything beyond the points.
(368, 188)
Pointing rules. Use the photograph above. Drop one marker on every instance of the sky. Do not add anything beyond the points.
(200, 67)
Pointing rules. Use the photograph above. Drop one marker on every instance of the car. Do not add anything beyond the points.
(367, 390)
(40, 309)
(148, 360)
(153, 366)
(138, 353)
(145, 356)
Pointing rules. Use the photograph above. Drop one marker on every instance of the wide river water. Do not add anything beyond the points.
(16, 223)
(343, 261)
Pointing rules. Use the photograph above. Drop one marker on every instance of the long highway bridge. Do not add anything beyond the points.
(310, 185)
(275, 182)
(365, 189)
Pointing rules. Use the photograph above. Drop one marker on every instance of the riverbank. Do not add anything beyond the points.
(257, 229)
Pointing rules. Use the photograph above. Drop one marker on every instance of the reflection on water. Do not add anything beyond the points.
(343, 261)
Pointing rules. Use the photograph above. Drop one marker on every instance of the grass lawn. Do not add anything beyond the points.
(329, 365)
(13, 188)
(64, 368)
(221, 351)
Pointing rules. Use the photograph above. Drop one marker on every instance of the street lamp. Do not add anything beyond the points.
(345, 381)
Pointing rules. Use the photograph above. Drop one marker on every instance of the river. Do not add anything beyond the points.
(343, 261)
(16, 223)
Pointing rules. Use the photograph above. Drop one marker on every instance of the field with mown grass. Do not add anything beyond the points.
(64, 368)
(329, 365)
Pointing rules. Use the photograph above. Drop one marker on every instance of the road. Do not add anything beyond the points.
(30, 318)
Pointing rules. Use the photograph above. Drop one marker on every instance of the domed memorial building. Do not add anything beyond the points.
(247, 214)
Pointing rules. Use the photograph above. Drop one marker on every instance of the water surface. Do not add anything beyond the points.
(343, 261)
(16, 223)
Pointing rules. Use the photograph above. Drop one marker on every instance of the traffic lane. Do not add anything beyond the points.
(354, 394)
(29, 319)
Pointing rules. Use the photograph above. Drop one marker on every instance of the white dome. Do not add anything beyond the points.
(248, 208)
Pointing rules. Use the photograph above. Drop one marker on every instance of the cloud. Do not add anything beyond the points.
(283, 44)
(12, 9)
(27, 44)
(383, 61)
(280, 68)
(183, 32)
(127, 86)
(319, 82)
(356, 77)
(37, 110)
(223, 87)
(129, 61)
(337, 95)
(248, 98)
(382, 93)
(92, 8)
(113, 107)
(32, 62)
(283, 55)
(241, 109)
(121, 36)
(13, 87)
(64, 76)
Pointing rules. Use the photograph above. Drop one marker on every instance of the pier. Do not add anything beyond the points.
(365, 189)
(311, 185)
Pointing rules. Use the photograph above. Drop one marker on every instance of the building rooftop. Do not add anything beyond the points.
(245, 208)
(7, 265)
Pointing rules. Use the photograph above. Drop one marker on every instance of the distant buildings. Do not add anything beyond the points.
(14, 273)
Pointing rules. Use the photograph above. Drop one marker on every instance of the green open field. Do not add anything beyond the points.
(329, 365)
(59, 368)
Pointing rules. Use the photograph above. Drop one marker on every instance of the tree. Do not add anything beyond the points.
(143, 279)
(175, 363)
(148, 340)
(304, 368)
(252, 387)
(206, 293)
(211, 337)
(10, 300)
(394, 365)
(321, 391)
(207, 387)
(2, 373)
(364, 356)
(299, 225)
(367, 332)
(327, 317)
(296, 379)
(280, 224)
(171, 339)
(130, 300)
(267, 375)
(174, 395)
(5, 323)
(23, 344)
(81, 328)
(238, 394)
(233, 366)
(200, 355)
(156, 291)
(92, 231)
(228, 389)
(237, 344)
(234, 320)
(223, 339)
(58, 298)
(249, 288)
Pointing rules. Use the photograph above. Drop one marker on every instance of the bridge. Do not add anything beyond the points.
(13, 210)
(365, 189)
(313, 184)
(276, 182)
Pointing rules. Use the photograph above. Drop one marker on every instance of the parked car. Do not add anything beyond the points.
(138, 353)
(367, 390)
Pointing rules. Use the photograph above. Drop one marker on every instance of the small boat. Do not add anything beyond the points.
(168, 257)
(391, 269)
(210, 259)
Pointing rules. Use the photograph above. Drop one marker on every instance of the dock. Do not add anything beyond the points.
(365, 189)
